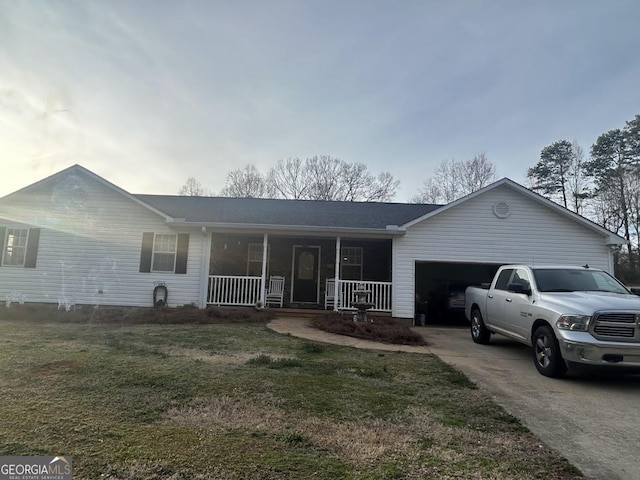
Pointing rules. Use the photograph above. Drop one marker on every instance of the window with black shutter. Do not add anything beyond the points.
(19, 246)
(163, 252)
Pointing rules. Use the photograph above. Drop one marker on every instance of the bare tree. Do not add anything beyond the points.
(476, 173)
(383, 189)
(454, 179)
(325, 178)
(329, 178)
(429, 193)
(247, 182)
(578, 180)
(289, 179)
(356, 181)
(193, 188)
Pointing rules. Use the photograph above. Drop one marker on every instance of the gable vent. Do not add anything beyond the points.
(501, 210)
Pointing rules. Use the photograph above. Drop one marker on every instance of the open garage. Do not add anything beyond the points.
(462, 243)
(440, 287)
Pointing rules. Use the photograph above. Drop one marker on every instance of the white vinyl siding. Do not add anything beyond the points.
(89, 252)
(470, 233)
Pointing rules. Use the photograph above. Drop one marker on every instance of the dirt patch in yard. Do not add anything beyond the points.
(56, 367)
(218, 359)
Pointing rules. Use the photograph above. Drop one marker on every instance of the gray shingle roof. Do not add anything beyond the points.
(295, 213)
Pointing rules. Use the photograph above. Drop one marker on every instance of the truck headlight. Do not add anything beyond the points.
(573, 322)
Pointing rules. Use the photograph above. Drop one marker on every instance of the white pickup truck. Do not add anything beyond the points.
(567, 314)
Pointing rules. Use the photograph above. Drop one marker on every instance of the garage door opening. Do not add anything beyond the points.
(440, 289)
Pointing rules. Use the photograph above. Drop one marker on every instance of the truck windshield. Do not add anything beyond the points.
(571, 280)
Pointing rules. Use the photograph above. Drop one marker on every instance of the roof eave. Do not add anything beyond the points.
(392, 231)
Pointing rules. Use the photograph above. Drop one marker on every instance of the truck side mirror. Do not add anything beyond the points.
(519, 288)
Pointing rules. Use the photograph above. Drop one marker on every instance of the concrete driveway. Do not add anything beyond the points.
(591, 418)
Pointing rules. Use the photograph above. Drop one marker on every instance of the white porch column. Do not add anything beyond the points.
(336, 299)
(263, 282)
(206, 261)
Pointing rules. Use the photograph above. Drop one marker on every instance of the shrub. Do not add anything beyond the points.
(188, 314)
(379, 329)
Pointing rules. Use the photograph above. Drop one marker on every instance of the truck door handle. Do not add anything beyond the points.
(490, 296)
(508, 300)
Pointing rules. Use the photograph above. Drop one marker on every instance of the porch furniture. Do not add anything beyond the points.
(330, 293)
(275, 292)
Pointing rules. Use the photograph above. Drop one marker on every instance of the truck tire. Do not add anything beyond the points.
(546, 353)
(479, 333)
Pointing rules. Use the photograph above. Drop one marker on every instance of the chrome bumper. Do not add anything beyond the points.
(581, 347)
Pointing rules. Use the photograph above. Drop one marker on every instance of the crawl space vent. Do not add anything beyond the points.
(501, 210)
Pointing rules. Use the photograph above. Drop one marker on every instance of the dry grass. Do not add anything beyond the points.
(408, 437)
(238, 401)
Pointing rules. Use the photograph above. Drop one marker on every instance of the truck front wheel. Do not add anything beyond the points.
(479, 333)
(546, 353)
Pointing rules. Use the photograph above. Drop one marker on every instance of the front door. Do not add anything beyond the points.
(305, 274)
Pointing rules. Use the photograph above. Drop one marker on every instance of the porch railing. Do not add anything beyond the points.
(233, 290)
(380, 294)
(245, 291)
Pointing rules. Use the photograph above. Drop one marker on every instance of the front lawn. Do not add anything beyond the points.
(238, 401)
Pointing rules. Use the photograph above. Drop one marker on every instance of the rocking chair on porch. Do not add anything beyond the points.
(330, 294)
(275, 292)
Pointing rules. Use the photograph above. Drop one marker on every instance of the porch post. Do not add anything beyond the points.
(263, 281)
(336, 298)
(206, 260)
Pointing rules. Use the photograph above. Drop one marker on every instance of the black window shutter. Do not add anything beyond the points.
(3, 233)
(32, 248)
(146, 252)
(183, 251)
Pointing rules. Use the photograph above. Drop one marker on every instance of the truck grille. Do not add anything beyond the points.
(622, 326)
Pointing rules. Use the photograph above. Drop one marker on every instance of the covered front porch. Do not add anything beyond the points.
(316, 272)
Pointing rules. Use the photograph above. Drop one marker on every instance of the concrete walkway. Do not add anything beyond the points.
(301, 328)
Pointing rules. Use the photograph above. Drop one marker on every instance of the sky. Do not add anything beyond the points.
(147, 93)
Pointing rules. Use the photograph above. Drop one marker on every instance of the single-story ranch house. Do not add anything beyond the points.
(76, 239)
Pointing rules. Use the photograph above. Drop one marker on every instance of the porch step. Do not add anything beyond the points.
(299, 312)
(311, 313)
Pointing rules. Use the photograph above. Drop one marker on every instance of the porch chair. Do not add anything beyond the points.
(275, 292)
(330, 293)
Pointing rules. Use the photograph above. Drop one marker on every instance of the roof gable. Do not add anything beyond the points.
(82, 172)
(613, 238)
